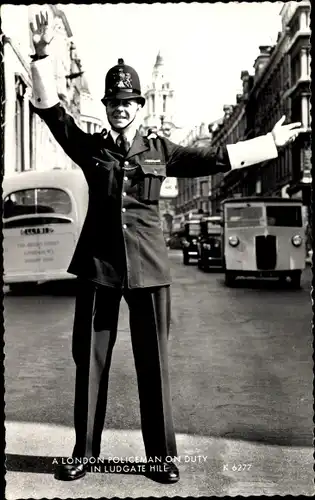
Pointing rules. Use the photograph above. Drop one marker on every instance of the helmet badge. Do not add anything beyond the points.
(122, 78)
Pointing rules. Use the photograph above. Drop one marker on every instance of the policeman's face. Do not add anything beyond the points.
(121, 112)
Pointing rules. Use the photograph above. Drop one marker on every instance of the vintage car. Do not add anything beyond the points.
(210, 244)
(189, 240)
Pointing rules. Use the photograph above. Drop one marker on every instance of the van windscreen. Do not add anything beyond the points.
(36, 201)
(251, 216)
(286, 216)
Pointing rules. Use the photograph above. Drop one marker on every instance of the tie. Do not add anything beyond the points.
(123, 144)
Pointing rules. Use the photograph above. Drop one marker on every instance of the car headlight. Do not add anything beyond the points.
(194, 241)
(207, 246)
(296, 240)
(233, 241)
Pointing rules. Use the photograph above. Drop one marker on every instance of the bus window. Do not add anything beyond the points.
(285, 216)
(36, 201)
(244, 216)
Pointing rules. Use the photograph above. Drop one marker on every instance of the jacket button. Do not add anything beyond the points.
(123, 209)
(97, 164)
(124, 193)
(126, 163)
(125, 178)
(125, 226)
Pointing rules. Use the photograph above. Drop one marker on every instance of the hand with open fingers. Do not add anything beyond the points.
(42, 34)
(282, 134)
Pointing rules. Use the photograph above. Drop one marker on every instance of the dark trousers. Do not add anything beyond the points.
(94, 336)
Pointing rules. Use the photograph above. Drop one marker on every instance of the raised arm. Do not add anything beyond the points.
(45, 100)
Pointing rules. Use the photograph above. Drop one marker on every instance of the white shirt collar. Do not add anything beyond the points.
(130, 135)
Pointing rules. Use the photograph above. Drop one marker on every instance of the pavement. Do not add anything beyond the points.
(208, 466)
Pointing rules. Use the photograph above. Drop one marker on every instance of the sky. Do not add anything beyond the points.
(205, 47)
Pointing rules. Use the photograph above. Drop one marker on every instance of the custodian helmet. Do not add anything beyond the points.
(122, 82)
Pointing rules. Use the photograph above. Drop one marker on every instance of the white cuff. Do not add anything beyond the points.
(246, 153)
(44, 85)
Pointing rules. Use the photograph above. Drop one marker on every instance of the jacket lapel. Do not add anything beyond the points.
(139, 145)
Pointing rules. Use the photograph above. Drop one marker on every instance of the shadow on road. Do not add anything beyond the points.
(58, 288)
(212, 270)
(264, 284)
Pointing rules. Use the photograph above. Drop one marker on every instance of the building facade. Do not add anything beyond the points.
(24, 132)
(280, 86)
(193, 193)
(91, 121)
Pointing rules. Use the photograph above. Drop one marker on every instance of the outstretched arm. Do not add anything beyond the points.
(197, 162)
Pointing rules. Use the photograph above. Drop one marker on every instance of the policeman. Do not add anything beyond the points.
(121, 250)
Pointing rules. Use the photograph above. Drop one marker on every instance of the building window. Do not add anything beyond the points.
(153, 103)
(20, 88)
(296, 68)
(204, 188)
(296, 110)
(308, 62)
(32, 129)
(295, 25)
(305, 111)
(164, 103)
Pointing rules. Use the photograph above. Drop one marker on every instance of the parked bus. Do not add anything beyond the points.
(43, 214)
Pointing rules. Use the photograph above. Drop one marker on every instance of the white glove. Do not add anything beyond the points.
(282, 134)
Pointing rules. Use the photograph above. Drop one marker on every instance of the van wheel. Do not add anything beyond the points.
(296, 280)
(230, 278)
(185, 259)
(283, 280)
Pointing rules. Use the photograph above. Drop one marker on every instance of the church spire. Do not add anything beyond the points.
(159, 98)
(159, 59)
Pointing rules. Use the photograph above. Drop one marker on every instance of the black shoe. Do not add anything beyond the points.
(70, 472)
(165, 472)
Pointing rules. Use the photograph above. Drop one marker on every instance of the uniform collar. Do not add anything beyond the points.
(130, 135)
(138, 143)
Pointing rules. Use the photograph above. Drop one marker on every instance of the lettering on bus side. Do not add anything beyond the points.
(36, 230)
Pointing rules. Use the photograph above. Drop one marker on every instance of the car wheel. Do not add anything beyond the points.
(230, 278)
(283, 279)
(296, 280)
(185, 259)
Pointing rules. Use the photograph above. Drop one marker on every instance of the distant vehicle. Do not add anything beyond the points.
(174, 241)
(210, 243)
(189, 239)
(43, 214)
(263, 237)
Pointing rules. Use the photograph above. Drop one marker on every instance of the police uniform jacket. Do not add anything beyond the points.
(121, 242)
